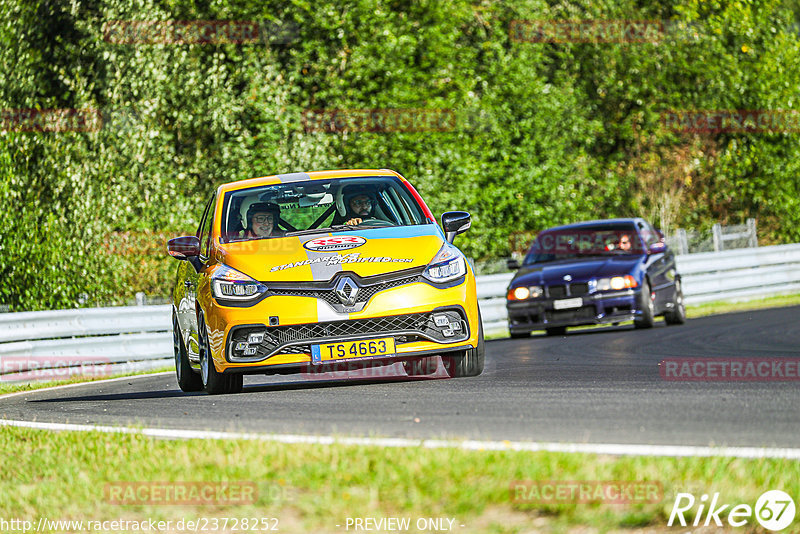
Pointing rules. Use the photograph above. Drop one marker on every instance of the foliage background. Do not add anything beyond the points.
(546, 133)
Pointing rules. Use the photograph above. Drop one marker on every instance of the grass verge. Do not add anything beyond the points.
(715, 308)
(314, 488)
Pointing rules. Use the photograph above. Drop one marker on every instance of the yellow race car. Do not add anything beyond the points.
(300, 272)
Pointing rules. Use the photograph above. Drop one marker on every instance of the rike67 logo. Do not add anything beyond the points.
(774, 511)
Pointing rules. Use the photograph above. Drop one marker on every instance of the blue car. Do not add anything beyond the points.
(594, 272)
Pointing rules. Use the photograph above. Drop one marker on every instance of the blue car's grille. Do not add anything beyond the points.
(577, 290)
(556, 292)
(567, 290)
(584, 313)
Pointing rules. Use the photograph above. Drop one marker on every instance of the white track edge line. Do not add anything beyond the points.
(614, 449)
(78, 384)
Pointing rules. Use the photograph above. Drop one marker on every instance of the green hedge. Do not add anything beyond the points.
(541, 133)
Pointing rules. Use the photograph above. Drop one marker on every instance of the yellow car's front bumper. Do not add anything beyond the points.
(291, 324)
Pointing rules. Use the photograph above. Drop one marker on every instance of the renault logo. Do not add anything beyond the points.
(347, 290)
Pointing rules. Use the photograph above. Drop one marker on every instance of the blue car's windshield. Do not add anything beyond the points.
(584, 242)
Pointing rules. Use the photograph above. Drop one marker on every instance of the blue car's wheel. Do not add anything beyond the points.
(648, 307)
(677, 315)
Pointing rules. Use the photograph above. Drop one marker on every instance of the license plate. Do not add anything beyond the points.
(565, 304)
(346, 350)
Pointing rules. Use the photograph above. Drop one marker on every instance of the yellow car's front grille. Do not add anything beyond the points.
(442, 326)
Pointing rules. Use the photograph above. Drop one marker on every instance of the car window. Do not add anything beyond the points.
(649, 235)
(319, 205)
(584, 241)
(205, 227)
(202, 220)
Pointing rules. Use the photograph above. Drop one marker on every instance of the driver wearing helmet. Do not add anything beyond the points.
(360, 204)
(262, 220)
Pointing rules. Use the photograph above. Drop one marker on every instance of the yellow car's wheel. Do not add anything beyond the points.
(469, 362)
(188, 380)
(214, 382)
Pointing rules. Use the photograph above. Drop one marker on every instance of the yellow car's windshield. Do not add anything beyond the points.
(295, 208)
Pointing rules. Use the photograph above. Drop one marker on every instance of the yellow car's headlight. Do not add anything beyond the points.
(230, 284)
(447, 265)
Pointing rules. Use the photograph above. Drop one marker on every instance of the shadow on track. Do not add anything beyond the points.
(283, 386)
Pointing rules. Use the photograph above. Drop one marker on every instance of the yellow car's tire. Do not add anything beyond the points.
(215, 383)
(237, 383)
(188, 380)
(469, 362)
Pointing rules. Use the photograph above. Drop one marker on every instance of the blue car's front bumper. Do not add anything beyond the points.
(596, 308)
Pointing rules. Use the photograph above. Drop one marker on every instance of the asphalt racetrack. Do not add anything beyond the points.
(590, 386)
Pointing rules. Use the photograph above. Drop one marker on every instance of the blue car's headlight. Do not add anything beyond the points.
(525, 292)
(448, 264)
(616, 283)
(230, 284)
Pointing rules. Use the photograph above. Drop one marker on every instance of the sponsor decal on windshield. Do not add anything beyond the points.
(336, 259)
(342, 242)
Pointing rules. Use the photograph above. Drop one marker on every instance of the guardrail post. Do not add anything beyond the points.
(716, 234)
(683, 241)
(753, 238)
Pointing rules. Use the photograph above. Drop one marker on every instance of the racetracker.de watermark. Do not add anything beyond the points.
(585, 491)
(50, 120)
(599, 31)
(730, 369)
(202, 32)
(753, 121)
(122, 121)
(33, 368)
(378, 120)
(593, 241)
(181, 493)
(372, 370)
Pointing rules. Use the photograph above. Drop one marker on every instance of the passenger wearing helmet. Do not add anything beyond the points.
(360, 203)
(262, 220)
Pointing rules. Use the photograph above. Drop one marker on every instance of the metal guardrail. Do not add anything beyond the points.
(720, 238)
(87, 341)
(26, 326)
(121, 335)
